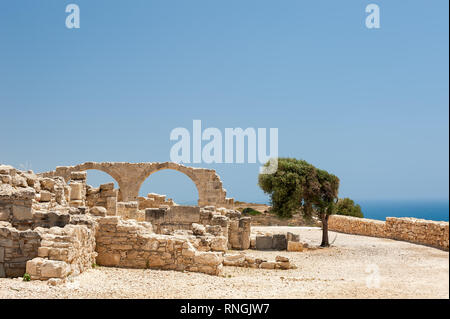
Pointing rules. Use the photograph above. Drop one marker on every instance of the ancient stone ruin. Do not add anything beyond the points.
(53, 225)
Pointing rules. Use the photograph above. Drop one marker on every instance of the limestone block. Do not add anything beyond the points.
(108, 259)
(237, 260)
(207, 258)
(292, 237)
(47, 184)
(106, 187)
(268, 265)
(295, 246)
(284, 265)
(76, 191)
(19, 181)
(5, 213)
(22, 212)
(78, 176)
(54, 269)
(46, 196)
(219, 243)
(98, 211)
(33, 267)
(5, 179)
(198, 230)
(279, 242)
(252, 242)
(263, 242)
(109, 220)
(281, 259)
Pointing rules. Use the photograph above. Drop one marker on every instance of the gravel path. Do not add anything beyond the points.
(346, 270)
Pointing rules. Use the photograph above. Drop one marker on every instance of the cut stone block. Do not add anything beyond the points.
(279, 242)
(263, 242)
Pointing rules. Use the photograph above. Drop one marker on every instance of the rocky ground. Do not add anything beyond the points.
(354, 267)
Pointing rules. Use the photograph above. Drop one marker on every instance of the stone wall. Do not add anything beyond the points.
(103, 196)
(16, 206)
(420, 231)
(427, 232)
(173, 218)
(63, 252)
(267, 219)
(48, 219)
(133, 244)
(129, 210)
(16, 248)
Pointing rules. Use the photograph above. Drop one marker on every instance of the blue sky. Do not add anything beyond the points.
(370, 106)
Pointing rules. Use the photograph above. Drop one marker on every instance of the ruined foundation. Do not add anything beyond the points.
(53, 225)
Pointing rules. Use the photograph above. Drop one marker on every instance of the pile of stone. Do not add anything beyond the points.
(236, 230)
(243, 260)
(103, 196)
(154, 201)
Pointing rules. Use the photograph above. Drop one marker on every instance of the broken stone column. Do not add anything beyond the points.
(239, 233)
(77, 189)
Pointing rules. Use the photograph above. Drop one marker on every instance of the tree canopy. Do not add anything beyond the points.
(299, 185)
(346, 206)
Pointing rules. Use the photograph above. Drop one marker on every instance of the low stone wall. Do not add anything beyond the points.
(132, 244)
(427, 232)
(267, 219)
(420, 231)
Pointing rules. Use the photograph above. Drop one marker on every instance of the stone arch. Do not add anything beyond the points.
(181, 169)
(130, 176)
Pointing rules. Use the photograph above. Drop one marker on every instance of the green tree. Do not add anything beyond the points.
(346, 206)
(299, 185)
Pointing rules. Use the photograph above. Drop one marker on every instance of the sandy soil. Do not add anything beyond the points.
(355, 267)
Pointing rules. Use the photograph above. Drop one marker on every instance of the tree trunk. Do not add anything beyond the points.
(325, 243)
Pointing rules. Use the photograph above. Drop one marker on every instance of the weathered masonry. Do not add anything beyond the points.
(130, 177)
(54, 225)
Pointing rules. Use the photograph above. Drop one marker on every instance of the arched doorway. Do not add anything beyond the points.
(174, 184)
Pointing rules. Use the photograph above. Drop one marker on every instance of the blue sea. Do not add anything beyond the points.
(380, 209)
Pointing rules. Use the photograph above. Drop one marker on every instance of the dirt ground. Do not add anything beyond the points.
(354, 267)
